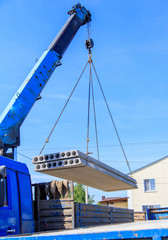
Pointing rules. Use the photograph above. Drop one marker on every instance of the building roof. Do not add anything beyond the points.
(150, 164)
(113, 199)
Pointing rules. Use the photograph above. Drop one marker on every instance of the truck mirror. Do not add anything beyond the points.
(2, 172)
(2, 191)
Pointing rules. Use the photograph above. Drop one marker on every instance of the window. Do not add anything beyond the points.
(144, 207)
(6, 200)
(149, 185)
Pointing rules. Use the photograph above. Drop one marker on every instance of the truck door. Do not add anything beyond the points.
(9, 212)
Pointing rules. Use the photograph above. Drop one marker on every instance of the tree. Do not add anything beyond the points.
(79, 194)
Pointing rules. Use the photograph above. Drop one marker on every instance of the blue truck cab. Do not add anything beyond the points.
(16, 205)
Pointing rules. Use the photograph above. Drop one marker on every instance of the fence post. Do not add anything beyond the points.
(111, 214)
(73, 214)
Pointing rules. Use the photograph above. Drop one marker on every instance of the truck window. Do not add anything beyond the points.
(6, 199)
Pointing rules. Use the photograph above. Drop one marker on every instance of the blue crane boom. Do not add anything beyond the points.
(23, 100)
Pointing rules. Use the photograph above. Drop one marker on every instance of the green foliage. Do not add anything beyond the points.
(100, 204)
(79, 194)
(90, 199)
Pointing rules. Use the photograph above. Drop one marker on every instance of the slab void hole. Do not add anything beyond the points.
(41, 158)
(71, 161)
(59, 163)
(35, 159)
(68, 154)
(76, 160)
(65, 162)
(54, 164)
(73, 153)
(44, 165)
(49, 165)
(62, 154)
(38, 167)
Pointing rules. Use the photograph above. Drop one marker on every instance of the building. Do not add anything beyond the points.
(152, 181)
(120, 202)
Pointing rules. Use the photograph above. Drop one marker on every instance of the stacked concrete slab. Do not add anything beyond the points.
(76, 166)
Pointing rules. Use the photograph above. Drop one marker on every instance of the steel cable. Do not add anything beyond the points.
(47, 140)
(94, 111)
(112, 119)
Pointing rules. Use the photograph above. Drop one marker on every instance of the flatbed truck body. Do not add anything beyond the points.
(153, 230)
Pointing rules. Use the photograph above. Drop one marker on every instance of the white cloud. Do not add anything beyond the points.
(60, 96)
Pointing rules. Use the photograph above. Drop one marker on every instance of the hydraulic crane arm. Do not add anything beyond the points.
(20, 105)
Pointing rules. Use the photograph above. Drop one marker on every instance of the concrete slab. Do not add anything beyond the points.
(59, 155)
(76, 166)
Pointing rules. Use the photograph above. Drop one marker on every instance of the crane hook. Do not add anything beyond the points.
(89, 44)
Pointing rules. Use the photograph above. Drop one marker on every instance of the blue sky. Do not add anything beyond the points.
(130, 55)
